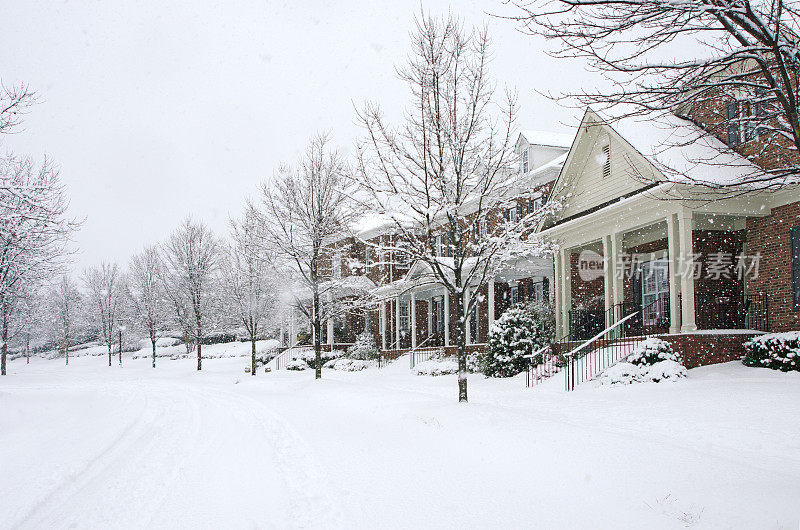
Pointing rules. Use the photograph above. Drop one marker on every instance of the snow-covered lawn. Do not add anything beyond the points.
(97, 447)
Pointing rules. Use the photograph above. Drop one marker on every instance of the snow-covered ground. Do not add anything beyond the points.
(93, 446)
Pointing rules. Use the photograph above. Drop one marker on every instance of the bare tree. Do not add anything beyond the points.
(104, 288)
(34, 230)
(444, 177)
(15, 100)
(306, 209)
(65, 302)
(742, 52)
(191, 256)
(146, 294)
(249, 280)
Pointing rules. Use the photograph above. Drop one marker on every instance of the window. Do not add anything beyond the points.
(515, 294)
(441, 245)
(537, 293)
(337, 264)
(473, 325)
(534, 205)
(405, 316)
(795, 250)
(437, 315)
(512, 214)
(655, 291)
(367, 257)
(525, 161)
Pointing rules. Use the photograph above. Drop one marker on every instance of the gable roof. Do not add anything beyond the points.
(548, 139)
(663, 148)
(680, 150)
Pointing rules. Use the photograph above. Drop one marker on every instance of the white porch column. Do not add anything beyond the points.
(397, 323)
(687, 279)
(618, 274)
(446, 317)
(556, 289)
(566, 295)
(673, 274)
(490, 304)
(413, 314)
(608, 280)
(382, 324)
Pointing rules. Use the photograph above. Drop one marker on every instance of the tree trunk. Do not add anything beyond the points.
(153, 342)
(66, 354)
(461, 347)
(27, 351)
(4, 349)
(199, 343)
(317, 344)
(109, 353)
(120, 348)
(253, 355)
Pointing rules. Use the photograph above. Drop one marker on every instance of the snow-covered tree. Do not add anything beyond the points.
(191, 257)
(249, 280)
(444, 177)
(520, 331)
(65, 308)
(15, 100)
(660, 55)
(144, 288)
(304, 210)
(34, 230)
(104, 289)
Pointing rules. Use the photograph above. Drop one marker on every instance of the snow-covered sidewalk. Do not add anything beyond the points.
(93, 446)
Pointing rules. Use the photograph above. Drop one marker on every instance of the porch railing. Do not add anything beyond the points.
(609, 346)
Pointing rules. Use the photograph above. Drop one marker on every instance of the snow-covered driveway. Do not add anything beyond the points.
(89, 446)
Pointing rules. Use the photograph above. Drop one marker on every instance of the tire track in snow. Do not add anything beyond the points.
(311, 505)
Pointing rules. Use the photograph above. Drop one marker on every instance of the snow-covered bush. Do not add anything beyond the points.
(621, 374)
(518, 332)
(626, 373)
(667, 370)
(345, 364)
(779, 351)
(297, 364)
(653, 350)
(307, 355)
(436, 366)
(364, 347)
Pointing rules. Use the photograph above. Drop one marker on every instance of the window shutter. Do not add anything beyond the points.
(732, 112)
(795, 249)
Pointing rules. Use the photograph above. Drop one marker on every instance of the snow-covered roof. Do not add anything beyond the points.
(550, 139)
(678, 148)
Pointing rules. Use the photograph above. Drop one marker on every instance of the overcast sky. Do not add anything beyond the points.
(162, 109)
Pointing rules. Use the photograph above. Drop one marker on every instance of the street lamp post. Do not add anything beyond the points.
(121, 329)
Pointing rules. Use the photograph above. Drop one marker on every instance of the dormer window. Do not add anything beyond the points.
(525, 161)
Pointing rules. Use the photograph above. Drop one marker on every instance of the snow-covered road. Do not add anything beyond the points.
(88, 446)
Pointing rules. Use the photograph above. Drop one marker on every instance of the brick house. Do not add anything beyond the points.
(410, 309)
(646, 226)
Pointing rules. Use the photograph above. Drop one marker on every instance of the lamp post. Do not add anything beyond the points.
(121, 329)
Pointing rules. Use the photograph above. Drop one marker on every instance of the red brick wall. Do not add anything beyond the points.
(770, 236)
(700, 349)
(589, 295)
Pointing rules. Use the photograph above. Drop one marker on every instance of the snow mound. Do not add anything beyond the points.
(350, 365)
(628, 373)
(663, 371)
(297, 364)
(436, 367)
(621, 374)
